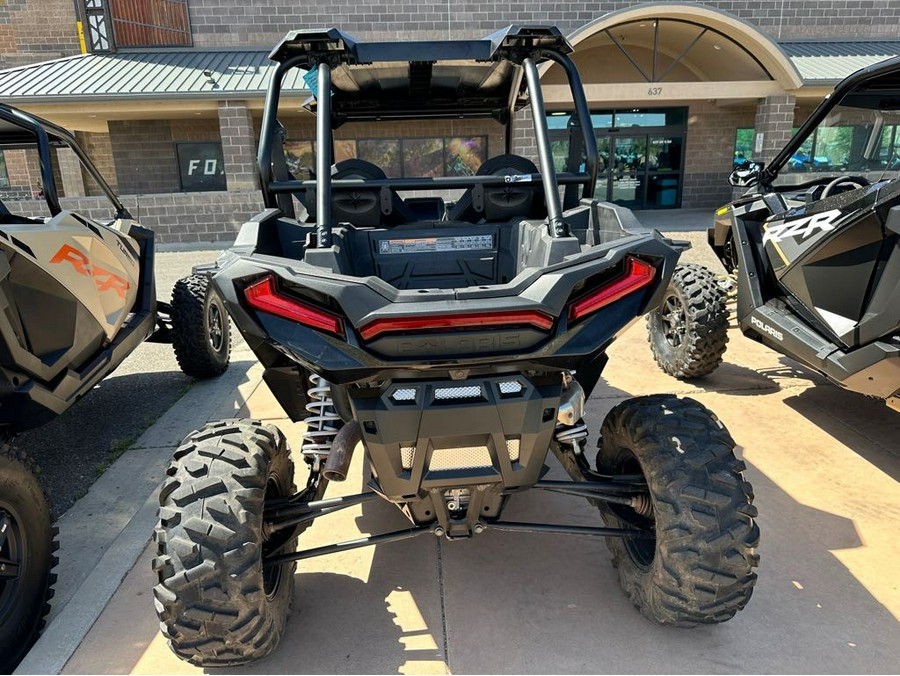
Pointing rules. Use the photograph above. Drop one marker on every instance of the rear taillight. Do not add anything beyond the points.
(458, 321)
(638, 274)
(264, 296)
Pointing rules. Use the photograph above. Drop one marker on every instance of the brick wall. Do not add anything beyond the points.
(774, 121)
(175, 217)
(144, 151)
(99, 149)
(36, 30)
(217, 23)
(709, 152)
(238, 145)
(18, 174)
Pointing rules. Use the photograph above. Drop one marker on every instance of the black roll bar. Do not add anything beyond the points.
(545, 157)
(323, 156)
(324, 185)
(583, 111)
(427, 183)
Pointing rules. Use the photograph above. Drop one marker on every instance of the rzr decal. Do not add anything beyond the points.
(103, 279)
(802, 227)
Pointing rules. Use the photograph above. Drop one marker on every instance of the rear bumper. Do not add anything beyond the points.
(430, 435)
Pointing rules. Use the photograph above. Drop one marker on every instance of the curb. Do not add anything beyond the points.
(103, 534)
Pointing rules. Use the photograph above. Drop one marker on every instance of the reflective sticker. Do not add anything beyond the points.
(436, 244)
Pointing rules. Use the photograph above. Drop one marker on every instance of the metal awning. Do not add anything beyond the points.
(223, 74)
(158, 75)
(825, 62)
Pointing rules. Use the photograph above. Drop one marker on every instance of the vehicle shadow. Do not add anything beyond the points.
(865, 424)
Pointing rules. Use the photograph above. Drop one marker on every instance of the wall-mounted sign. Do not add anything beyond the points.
(201, 166)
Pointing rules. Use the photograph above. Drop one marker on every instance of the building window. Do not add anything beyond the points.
(743, 145)
(201, 166)
(114, 24)
(416, 157)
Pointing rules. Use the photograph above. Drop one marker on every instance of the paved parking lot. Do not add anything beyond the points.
(825, 465)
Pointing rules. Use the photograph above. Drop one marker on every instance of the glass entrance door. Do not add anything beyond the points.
(641, 155)
(627, 171)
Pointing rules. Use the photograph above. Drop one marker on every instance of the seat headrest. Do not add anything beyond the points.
(503, 203)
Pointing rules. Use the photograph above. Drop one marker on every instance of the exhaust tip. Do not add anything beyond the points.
(334, 475)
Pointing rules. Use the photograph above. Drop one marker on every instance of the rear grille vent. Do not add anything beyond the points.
(406, 456)
(512, 448)
(457, 393)
(467, 457)
(404, 394)
(511, 387)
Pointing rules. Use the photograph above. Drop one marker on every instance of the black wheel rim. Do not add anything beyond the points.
(674, 320)
(216, 327)
(12, 559)
(272, 575)
(641, 550)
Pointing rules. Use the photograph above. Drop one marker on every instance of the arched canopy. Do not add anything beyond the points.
(674, 49)
(691, 42)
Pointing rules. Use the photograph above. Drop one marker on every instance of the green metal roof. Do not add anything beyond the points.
(827, 62)
(245, 73)
(173, 74)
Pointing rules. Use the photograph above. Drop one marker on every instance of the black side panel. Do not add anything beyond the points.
(832, 280)
(882, 317)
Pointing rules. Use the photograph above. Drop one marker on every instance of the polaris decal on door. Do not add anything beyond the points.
(801, 227)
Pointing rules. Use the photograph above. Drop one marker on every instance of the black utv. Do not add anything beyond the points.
(456, 343)
(814, 247)
(77, 296)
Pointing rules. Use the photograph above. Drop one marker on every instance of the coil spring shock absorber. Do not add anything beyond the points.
(320, 423)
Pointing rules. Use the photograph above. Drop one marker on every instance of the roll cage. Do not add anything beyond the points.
(20, 130)
(412, 80)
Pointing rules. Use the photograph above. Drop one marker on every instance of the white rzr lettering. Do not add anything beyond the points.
(765, 328)
(802, 227)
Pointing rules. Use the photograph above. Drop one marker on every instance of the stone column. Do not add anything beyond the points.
(774, 120)
(70, 173)
(238, 145)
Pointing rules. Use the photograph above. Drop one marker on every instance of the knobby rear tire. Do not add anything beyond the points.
(217, 604)
(699, 567)
(201, 333)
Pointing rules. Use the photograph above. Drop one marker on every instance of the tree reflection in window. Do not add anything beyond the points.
(413, 157)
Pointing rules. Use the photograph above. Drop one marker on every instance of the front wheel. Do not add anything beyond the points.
(696, 566)
(688, 332)
(27, 543)
(201, 333)
(218, 604)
